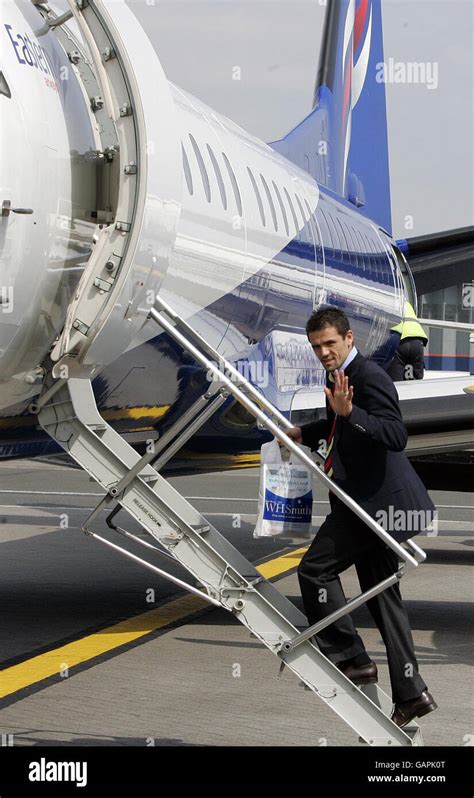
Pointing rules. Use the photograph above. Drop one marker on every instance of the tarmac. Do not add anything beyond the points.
(95, 650)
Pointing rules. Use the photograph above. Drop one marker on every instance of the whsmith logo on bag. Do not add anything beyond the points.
(280, 507)
(298, 509)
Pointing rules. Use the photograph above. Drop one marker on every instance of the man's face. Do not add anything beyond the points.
(330, 347)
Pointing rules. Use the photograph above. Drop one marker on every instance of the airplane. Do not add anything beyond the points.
(117, 187)
(121, 191)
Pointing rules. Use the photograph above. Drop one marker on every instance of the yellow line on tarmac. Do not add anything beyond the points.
(281, 565)
(52, 663)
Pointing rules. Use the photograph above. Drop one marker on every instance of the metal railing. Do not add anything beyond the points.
(446, 325)
(276, 423)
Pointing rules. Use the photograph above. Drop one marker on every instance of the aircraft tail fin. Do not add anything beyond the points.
(343, 141)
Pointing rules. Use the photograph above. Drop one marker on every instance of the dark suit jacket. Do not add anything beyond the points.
(368, 458)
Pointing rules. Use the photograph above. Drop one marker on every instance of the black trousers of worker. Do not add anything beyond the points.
(344, 540)
(408, 363)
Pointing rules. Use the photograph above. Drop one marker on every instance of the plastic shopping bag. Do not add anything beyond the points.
(285, 497)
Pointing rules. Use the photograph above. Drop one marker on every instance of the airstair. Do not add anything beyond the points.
(67, 411)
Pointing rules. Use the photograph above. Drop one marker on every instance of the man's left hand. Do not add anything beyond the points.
(341, 400)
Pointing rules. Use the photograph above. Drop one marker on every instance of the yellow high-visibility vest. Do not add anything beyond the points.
(410, 327)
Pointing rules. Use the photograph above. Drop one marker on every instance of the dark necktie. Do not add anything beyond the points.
(329, 452)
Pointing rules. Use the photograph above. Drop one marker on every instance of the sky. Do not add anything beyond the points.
(275, 44)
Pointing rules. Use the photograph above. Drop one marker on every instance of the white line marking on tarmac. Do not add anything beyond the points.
(46, 507)
(315, 501)
(53, 493)
(237, 499)
(208, 498)
(220, 514)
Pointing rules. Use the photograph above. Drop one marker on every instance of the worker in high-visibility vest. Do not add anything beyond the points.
(408, 363)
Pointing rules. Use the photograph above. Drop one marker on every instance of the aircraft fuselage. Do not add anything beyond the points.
(257, 245)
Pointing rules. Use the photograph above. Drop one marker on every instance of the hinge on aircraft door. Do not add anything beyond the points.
(102, 285)
(106, 156)
(80, 326)
(97, 103)
(108, 54)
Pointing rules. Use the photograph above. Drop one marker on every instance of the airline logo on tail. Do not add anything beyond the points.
(356, 49)
(349, 115)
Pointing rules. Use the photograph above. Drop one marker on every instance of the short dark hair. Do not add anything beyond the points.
(328, 317)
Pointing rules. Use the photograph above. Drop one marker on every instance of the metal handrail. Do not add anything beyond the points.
(446, 325)
(174, 579)
(241, 396)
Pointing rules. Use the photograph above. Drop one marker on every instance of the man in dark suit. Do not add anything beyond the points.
(364, 437)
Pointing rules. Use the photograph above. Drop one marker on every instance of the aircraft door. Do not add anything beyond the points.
(131, 255)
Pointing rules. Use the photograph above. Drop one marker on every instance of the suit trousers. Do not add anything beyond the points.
(344, 540)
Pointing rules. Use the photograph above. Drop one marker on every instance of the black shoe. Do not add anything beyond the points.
(416, 708)
(364, 674)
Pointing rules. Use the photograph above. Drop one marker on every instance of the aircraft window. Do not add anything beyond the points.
(357, 239)
(372, 263)
(282, 207)
(333, 231)
(323, 225)
(370, 247)
(387, 267)
(361, 249)
(270, 202)
(356, 244)
(354, 239)
(220, 181)
(360, 241)
(4, 87)
(380, 256)
(313, 227)
(345, 245)
(257, 194)
(187, 170)
(382, 260)
(377, 261)
(233, 180)
(310, 213)
(376, 252)
(301, 209)
(297, 228)
(350, 244)
(202, 168)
